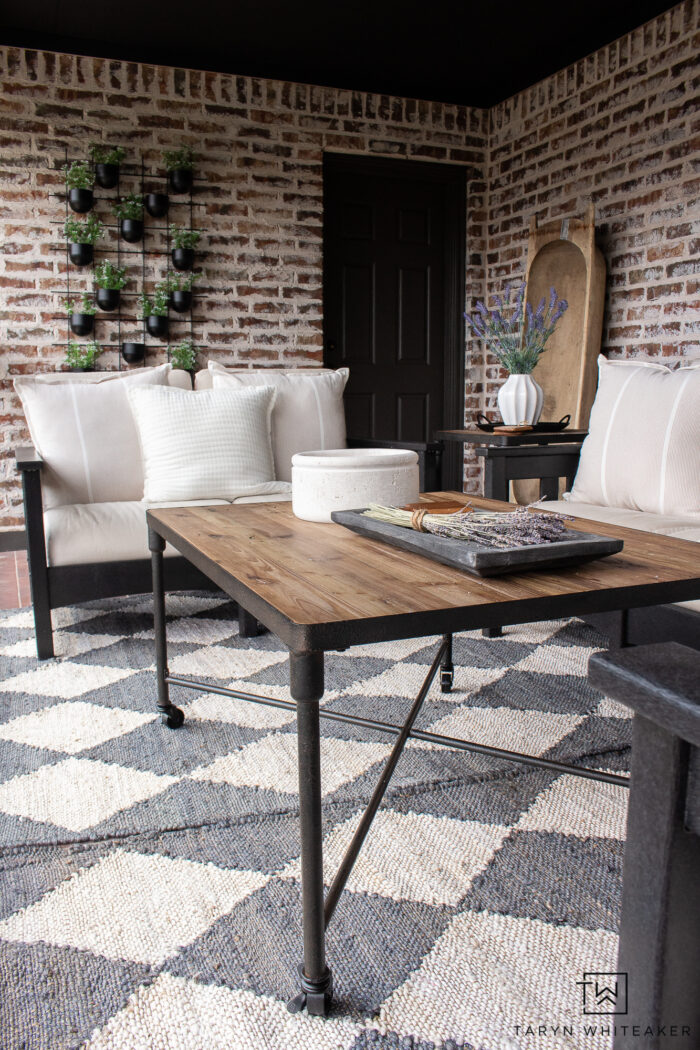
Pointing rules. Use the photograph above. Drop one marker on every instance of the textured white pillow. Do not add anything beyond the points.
(309, 414)
(205, 444)
(643, 444)
(85, 433)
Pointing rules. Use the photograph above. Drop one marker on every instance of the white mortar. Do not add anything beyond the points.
(350, 478)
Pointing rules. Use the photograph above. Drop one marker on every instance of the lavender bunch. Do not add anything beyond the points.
(518, 528)
(514, 332)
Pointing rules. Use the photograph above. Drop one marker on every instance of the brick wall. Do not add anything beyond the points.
(261, 145)
(620, 128)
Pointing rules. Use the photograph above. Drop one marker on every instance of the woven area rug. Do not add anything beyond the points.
(149, 878)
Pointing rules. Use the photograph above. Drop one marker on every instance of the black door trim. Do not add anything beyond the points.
(454, 179)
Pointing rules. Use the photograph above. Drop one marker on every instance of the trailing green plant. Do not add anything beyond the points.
(184, 238)
(78, 176)
(156, 306)
(181, 282)
(183, 355)
(109, 276)
(82, 355)
(83, 231)
(178, 159)
(84, 305)
(129, 207)
(100, 153)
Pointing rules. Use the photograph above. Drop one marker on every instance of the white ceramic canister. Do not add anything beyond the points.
(520, 400)
(351, 478)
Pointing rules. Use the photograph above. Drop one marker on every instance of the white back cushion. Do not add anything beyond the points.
(309, 414)
(85, 433)
(205, 444)
(643, 444)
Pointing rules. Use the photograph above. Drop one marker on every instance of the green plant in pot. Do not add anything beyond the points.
(180, 289)
(81, 357)
(183, 355)
(106, 160)
(79, 183)
(129, 211)
(154, 310)
(179, 163)
(81, 313)
(109, 280)
(81, 235)
(184, 243)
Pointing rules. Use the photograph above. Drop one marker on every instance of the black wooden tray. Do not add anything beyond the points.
(485, 424)
(574, 549)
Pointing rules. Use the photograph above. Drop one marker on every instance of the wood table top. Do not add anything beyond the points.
(320, 586)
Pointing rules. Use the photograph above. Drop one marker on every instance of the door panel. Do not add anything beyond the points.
(394, 293)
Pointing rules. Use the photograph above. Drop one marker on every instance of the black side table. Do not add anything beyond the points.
(546, 455)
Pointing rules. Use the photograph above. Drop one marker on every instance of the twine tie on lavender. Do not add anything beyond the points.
(417, 519)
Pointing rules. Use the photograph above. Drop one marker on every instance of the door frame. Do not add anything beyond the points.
(454, 179)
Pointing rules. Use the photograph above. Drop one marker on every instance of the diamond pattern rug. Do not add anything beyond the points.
(149, 879)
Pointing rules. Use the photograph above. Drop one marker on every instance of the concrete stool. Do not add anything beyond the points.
(660, 924)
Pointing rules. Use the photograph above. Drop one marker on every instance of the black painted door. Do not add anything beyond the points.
(393, 293)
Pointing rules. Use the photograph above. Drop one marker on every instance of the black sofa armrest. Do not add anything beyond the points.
(27, 458)
(30, 463)
(429, 458)
(660, 682)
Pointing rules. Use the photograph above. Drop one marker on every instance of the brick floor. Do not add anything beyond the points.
(14, 580)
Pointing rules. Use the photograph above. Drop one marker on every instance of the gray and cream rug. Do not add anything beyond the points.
(149, 879)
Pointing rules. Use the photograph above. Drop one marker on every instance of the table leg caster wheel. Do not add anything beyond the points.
(172, 717)
(315, 996)
(446, 679)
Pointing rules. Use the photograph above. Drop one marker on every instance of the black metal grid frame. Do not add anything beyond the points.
(131, 172)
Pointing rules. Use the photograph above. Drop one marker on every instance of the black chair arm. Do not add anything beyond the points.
(660, 682)
(27, 458)
(429, 458)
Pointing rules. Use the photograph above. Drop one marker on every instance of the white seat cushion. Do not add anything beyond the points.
(680, 526)
(308, 415)
(643, 444)
(86, 533)
(86, 434)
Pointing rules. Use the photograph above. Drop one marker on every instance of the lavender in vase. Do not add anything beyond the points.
(517, 335)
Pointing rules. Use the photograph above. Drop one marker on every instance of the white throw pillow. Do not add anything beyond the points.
(85, 433)
(309, 414)
(205, 444)
(643, 444)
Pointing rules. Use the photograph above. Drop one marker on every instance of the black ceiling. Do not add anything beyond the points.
(472, 53)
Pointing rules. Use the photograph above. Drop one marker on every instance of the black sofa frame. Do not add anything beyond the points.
(53, 587)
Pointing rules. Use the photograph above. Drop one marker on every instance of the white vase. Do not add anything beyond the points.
(520, 400)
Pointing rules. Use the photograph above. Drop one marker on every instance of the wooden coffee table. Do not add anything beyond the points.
(320, 587)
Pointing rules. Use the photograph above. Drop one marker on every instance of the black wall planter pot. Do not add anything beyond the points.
(157, 326)
(180, 180)
(80, 200)
(183, 258)
(107, 175)
(108, 298)
(133, 353)
(74, 368)
(132, 230)
(181, 301)
(81, 254)
(81, 324)
(157, 204)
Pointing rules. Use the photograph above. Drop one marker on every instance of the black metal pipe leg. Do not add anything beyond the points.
(171, 716)
(306, 681)
(447, 667)
(247, 624)
(492, 632)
